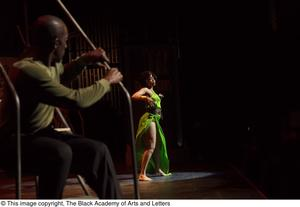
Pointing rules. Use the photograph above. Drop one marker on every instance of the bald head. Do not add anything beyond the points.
(49, 38)
(46, 29)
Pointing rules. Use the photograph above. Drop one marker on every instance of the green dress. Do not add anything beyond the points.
(144, 124)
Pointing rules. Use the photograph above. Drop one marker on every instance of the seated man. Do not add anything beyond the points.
(54, 154)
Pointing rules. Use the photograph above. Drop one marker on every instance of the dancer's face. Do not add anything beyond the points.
(151, 82)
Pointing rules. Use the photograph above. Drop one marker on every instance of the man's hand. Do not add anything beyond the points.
(93, 56)
(113, 76)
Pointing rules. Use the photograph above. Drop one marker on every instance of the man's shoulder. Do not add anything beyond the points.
(25, 63)
(31, 67)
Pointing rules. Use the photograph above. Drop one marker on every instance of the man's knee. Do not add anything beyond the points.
(63, 153)
(102, 148)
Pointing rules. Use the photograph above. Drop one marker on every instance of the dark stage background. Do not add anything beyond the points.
(228, 71)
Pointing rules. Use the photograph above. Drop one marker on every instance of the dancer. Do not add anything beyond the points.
(150, 139)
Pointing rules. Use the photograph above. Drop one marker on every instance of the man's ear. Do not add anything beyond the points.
(56, 43)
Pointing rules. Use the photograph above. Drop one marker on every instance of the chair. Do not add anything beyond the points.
(8, 94)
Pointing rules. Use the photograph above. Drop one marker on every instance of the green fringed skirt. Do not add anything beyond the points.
(144, 124)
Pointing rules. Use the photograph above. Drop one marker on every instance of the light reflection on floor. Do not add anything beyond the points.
(176, 176)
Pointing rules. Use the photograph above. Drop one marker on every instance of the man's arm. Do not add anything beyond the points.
(51, 92)
(74, 68)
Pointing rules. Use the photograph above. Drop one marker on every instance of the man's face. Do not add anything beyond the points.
(61, 45)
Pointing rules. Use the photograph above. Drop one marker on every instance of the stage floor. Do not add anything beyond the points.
(198, 182)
